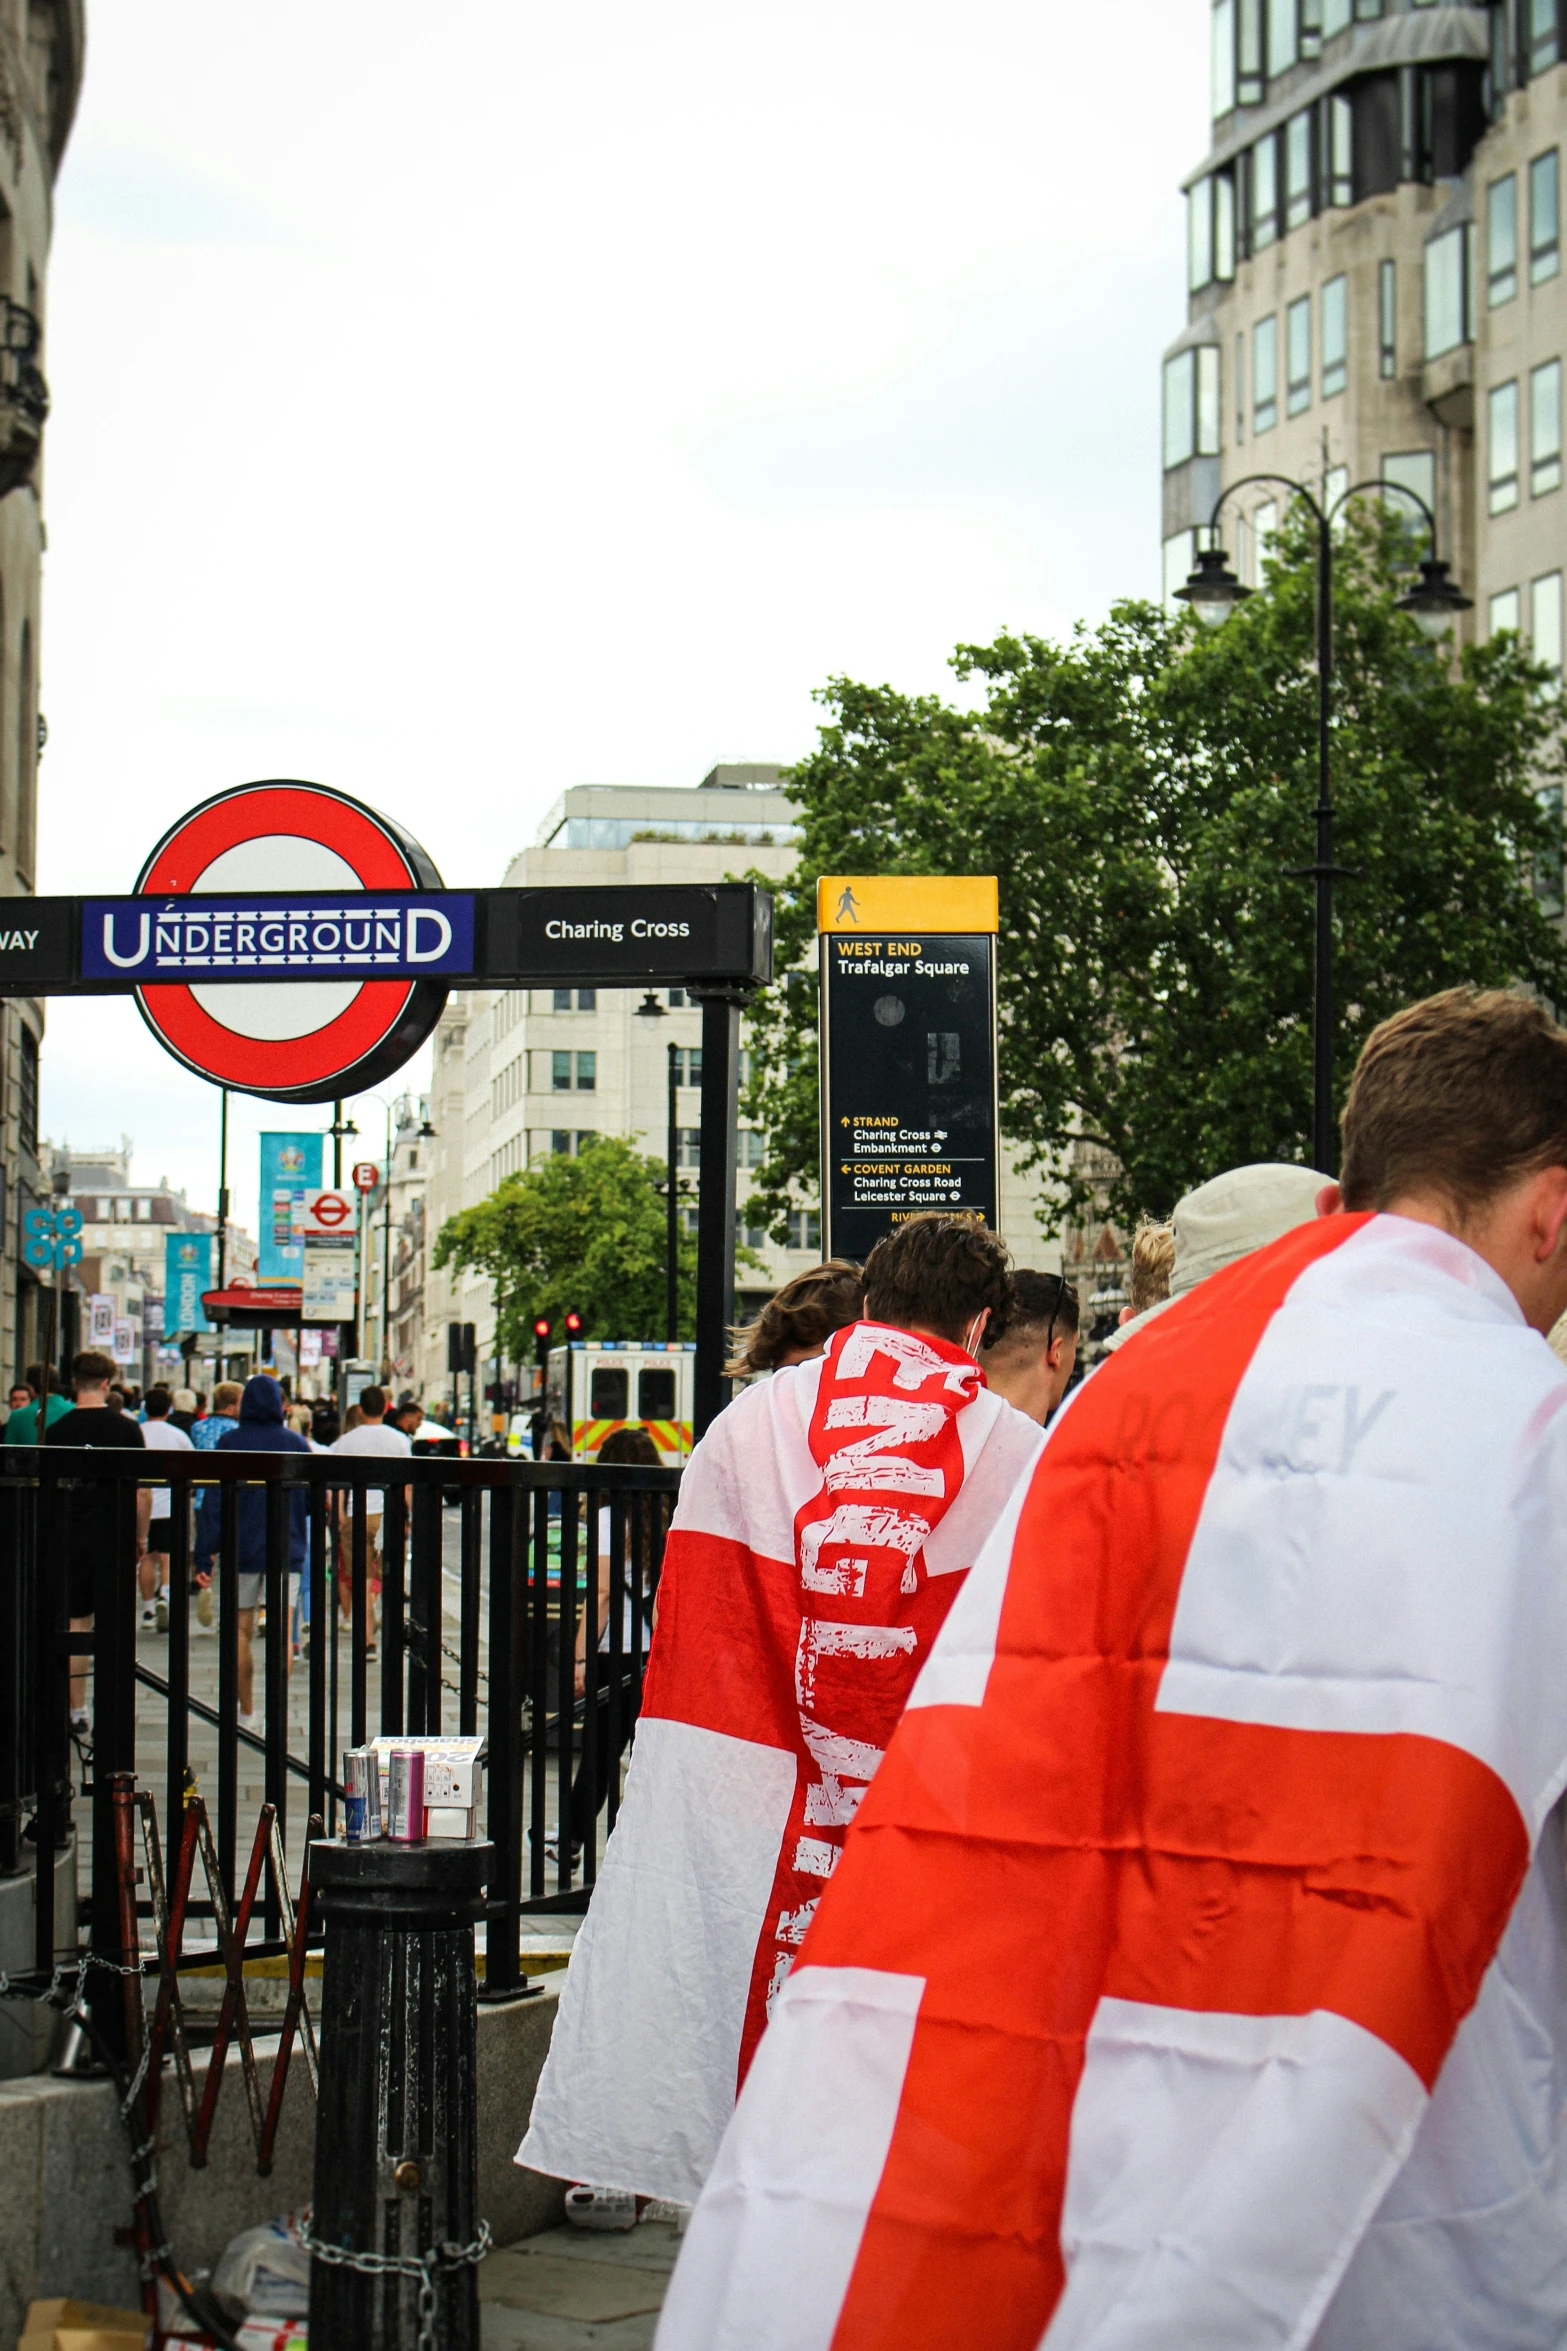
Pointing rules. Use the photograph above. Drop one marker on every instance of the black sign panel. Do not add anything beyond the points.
(908, 1083)
(622, 934)
(617, 935)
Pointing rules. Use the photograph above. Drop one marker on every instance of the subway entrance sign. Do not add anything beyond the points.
(908, 1053)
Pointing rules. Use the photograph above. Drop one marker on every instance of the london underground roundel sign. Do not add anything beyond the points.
(303, 1040)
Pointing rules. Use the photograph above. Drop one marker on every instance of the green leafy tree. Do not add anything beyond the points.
(588, 1233)
(1143, 794)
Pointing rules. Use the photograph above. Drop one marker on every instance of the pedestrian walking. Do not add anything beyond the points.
(614, 1708)
(370, 1435)
(1223, 1220)
(825, 1524)
(21, 1427)
(161, 1434)
(93, 1517)
(1031, 1365)
(1195, 1974)
(184, 1411)
(206, 1430)
(798, 1320)
(259, 1429)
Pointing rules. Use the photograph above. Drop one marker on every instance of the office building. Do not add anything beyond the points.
(520, 1075)
(41, 45)
(1375, 287)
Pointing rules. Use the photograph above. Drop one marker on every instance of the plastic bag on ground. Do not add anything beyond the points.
(601, 2208)
(265, 2272)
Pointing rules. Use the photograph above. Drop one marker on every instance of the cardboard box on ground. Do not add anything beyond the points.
(82, 2326)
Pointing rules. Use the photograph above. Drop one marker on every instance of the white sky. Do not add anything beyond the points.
(453, 403)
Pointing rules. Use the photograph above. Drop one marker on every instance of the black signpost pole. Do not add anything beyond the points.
(672, 1205)
(223, 1188)
(715, 1238)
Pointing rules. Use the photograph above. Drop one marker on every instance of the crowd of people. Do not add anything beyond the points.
(1113, 1889)
(257, 1416)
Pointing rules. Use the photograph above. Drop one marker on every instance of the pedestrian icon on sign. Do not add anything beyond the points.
(848, 911)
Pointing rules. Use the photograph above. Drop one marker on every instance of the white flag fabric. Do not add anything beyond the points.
(1196, 1972)
(825, 1524)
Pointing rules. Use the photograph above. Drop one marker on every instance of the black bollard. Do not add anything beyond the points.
(394, 2230)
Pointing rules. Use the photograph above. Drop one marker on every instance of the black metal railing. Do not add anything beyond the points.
(489, 1569)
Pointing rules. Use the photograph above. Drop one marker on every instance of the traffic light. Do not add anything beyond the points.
(541, 1339)
(573, 1325)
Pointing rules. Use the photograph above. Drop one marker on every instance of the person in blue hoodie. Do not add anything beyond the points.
(261, 1428)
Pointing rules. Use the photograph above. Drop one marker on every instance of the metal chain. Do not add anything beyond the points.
(422, 2266)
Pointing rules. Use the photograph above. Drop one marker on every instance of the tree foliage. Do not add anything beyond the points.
(1145, 795)
(587, 1233)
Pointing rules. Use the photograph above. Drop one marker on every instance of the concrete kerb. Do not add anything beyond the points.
(67, 2176)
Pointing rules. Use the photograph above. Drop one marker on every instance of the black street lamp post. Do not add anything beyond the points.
(1213, 592)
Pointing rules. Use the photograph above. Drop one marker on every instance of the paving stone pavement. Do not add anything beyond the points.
(570, 2288)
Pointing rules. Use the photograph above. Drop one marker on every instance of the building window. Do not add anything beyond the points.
(1223, 56)
(688, 1065)
(586, 1135)
(1199, 235)
(1191, 405)
(1501, 240)
(1297, 355)
(560, 1073)
(1335, 482)
(1297, 171)
(1264, 193)
(1341, 151)
(1224, 225)
(560, 1142)
(1180, 561)
(587, 999)
(26, 760)
(1283, 35)
(1335, 337)
(1240, 389)
(1264, 526)
(562, 1000)
(1502, 613)
(1248, 52)
(27, 1094)
(1413, 470)
(805, 1229)
(1545, 626)
(690, 1146)
(1265, 374)
(1387, 318)
(1503, 474)
(587, 1073)
(1447, 292)
(1545, 217)
(1336, 15)
(1544, 46)
(753, 1147)
(677, 998)
(1545, 429)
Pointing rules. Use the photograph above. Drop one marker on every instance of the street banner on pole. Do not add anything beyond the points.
(187, 1272)
(910, 1113)
(100, 1319)
(290, 1167)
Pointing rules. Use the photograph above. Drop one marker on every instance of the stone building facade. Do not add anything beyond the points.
(41, 46)
(1375, 286)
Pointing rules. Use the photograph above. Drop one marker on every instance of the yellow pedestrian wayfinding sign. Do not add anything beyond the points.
(908, 1052)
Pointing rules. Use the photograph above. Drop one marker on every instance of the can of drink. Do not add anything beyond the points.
(362, 1797)
(405, 1796)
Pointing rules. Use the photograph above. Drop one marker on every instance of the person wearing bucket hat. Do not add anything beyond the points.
(1227, 1218)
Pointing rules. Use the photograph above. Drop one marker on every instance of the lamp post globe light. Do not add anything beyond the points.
(1213, 593)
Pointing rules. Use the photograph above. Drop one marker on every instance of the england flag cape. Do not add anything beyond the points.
(1196, 1973)
(825, 1524)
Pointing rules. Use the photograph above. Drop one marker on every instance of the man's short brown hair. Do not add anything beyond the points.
(92, 1370)
(1456, 1097)
(1044, 1306)
(939, 1272)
